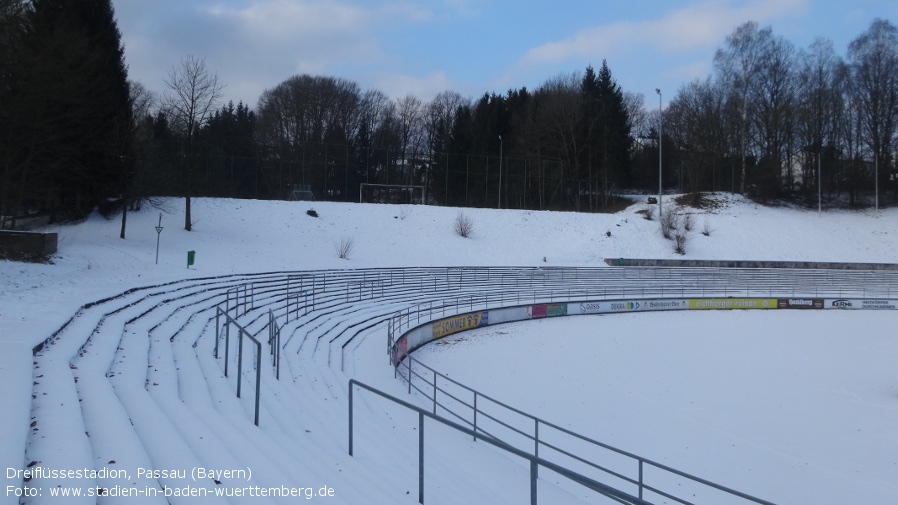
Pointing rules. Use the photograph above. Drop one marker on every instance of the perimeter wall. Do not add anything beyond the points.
(437, 329)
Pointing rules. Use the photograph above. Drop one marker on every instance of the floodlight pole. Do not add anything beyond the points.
(500, 173)
(660, 141)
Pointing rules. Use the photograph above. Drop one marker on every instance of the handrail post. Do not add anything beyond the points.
(258, 378)
(421, 458)
(351, 388)
(640, 478)
(227, 345)
(217, 330)
(535, 437)
(534, 475)
(475, 416)
(239, 364)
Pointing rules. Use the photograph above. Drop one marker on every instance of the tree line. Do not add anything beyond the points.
(781, 123)
(772, 122)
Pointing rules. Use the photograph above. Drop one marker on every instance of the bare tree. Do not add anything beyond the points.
(874, 63)
(821, 105)
(142, 101)
(410, 112)
(738, 63)
(774, 97)
(698, 128)
(191, 99)
(439, 117)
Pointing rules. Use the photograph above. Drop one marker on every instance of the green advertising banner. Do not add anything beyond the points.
(732, 303)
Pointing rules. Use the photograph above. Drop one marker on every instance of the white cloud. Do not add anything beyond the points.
(700, 25)
(285, 20)
(425, 88)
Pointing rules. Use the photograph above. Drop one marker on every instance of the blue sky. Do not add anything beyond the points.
(470, 46)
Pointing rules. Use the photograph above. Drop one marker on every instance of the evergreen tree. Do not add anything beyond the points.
(73, 113)
(606, 129)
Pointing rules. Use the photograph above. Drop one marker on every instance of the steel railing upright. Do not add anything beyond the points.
(243, 334)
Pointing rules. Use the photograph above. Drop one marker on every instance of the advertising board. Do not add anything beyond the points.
(459, 323)
(732, 303)
(869, 304)
(799, 303)
(400, 350)
(549, 310)
(605, 307)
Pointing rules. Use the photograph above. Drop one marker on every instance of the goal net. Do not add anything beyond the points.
(390, 193)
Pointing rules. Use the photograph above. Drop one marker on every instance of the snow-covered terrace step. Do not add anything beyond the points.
(139, 347)
(83, 424)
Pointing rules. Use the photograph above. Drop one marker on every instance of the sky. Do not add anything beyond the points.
(792, 406)
(470, 46)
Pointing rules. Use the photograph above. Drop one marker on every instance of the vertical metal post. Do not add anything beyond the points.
(408, 363)
(258, 378)
(421, 458)
(217, 330)
(475, 416)
(350, 418)
(533, 476)
(533, 468)
(434, 392)
(640, 479)
(239, 364)
(227, 345)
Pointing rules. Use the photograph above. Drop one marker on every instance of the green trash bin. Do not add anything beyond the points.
(191, 256)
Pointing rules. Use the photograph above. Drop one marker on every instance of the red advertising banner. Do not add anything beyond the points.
(400, 350)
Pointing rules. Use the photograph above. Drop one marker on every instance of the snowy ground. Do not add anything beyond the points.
(794, 408)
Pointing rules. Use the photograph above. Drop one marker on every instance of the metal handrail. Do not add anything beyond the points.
(535, 461)
(486, 288)
(243, 333)
(478, 432)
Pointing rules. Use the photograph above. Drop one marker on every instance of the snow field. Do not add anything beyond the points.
(125, 345)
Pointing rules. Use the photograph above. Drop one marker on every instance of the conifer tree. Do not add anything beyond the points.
(72, 108)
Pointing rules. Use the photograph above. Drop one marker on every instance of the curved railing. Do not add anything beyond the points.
(660, 289)
(325, 316)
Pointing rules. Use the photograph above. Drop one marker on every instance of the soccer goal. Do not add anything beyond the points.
(390, 193)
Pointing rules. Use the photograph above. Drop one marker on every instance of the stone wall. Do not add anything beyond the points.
(24, 245)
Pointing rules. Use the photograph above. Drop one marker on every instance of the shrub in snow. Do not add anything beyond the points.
(648, 213)
(343, 247)
(688, 222)
(679, 238)
(670, 221)
(464, 226)
(706, 229)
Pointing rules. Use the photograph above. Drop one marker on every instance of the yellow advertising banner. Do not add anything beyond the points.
(732, 303)
(456, 324)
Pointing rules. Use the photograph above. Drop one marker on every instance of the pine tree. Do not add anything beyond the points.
(606, 129)
(74, 106)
